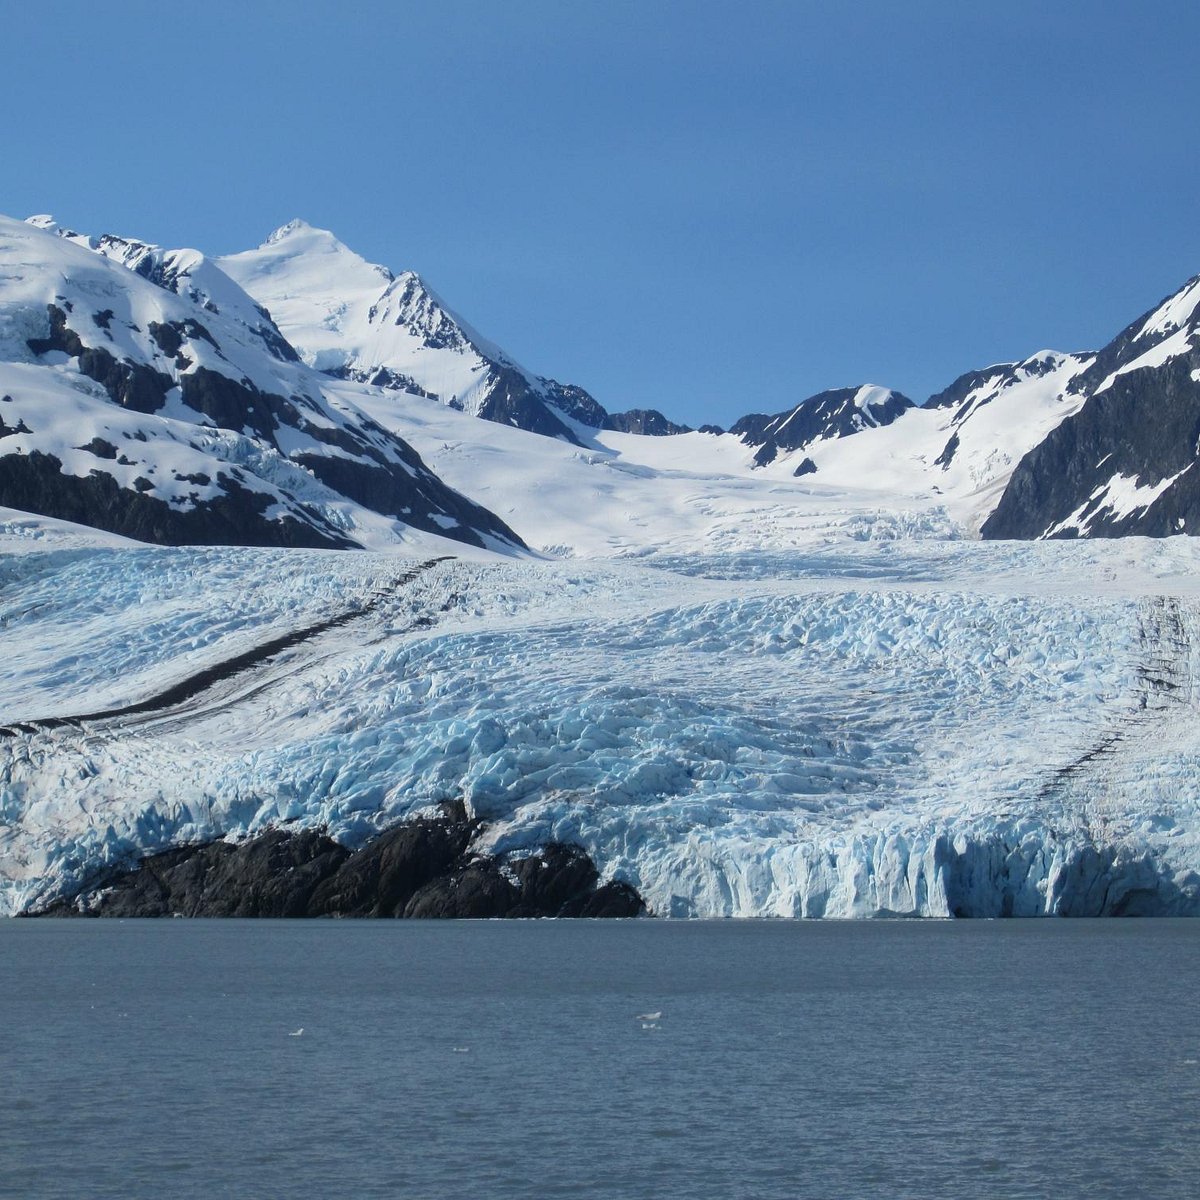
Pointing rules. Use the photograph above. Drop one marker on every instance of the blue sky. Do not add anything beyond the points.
(708, 208)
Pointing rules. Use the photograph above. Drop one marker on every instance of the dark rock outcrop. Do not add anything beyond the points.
(382, 878)
(36, 483)
(949, 450)
(513, 400)
(559, 881)
(132, 385)
(965, 384)
(100, 448)
(578, 404)
(229, 403)
(369, 465)
(13, 430)
(422, 868)
(993, 380)
(270, 876)
(1144, 428)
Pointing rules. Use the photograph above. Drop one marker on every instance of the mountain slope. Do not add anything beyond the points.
(141, 391)
(1126, 461)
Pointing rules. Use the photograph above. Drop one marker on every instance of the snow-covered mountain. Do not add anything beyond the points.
(359, 321)
(930, 473)
(1059, 445)
(1127, 460)
(370, 349)
(143, 392)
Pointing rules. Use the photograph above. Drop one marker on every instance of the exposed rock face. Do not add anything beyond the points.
(1124, 464)
(132, 385)
(991, 381)
(512, 400)
(578, 404)
(423, 868)
(36, 482)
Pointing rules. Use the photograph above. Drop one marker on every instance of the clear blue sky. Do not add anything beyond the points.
(708, 208)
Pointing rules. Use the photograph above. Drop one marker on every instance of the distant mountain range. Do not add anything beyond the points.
(281, 397)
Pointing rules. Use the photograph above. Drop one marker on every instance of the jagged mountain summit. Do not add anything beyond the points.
(357, 320)
(1102, 444)
(143, 392)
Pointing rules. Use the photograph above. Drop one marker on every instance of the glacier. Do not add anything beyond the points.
(791, 683)
(840, 728)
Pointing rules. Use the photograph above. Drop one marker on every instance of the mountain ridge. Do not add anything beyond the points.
(324, 442)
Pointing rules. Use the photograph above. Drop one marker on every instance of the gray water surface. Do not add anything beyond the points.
(506, 1059)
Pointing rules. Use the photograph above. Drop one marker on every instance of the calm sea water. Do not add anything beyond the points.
(1022, 1059)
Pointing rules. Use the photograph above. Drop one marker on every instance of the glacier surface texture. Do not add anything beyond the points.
(855, 728)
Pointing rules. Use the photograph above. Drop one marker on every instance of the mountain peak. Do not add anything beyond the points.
(298, 227)
(1177, 311)
(357, 320)
(146, 393)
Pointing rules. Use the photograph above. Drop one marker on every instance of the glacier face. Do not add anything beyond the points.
(846, 729)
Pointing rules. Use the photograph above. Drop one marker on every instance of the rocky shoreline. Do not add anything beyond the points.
(424, 868)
